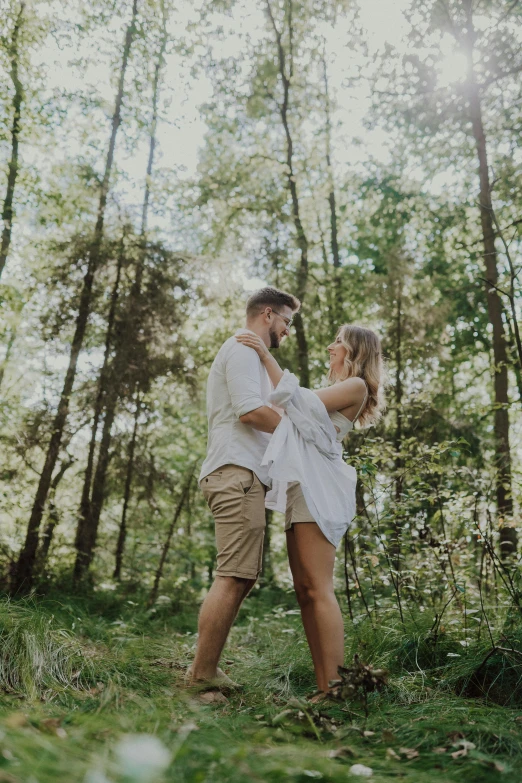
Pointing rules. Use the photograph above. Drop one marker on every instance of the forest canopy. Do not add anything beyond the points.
(160, 161)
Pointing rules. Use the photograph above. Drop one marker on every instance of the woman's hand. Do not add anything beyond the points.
(251, 340)
(255, 342)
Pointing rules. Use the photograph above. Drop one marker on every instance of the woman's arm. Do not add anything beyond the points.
(274, 371)
(343, 394)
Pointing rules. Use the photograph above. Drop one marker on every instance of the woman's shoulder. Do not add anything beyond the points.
(355, 384)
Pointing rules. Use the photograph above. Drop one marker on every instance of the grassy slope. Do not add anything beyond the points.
(62, 725)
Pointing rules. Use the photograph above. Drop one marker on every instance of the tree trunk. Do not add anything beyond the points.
(513, 325)
(12, 170)
(267, 572)
(301, 238)
(87, 531)
(102, 390)
(9, 348)
(334, 242)
(166, 546)
(398, 397)
(54, 518)
(160, 61)
(191, 566)
(395, 545)
(331, 292)
(24, 569)
(122, 535)
(508, 535)
(514, 357)
(334, 236)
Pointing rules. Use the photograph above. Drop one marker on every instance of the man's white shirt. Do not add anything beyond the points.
(238, 383)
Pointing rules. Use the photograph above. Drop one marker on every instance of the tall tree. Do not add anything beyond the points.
(334, 280)
(13, 48)
(114, 379)
(184, 494)
(102, 383)
(156, 82)
(122, 533)
(285, 59)
(467, 35)
(24, 570)
(465, 109)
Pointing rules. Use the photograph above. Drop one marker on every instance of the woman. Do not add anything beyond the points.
(321, 504)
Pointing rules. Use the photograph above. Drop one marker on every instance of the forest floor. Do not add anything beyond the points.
(93, 692)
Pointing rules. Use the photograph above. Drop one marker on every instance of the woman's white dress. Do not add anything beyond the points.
(306, 447)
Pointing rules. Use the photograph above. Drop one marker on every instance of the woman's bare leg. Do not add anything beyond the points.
(312, 558)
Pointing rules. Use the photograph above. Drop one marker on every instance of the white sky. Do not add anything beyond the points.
(181, 134)
(181, 137)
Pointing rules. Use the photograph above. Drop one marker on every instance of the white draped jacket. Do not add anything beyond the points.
(304, 448)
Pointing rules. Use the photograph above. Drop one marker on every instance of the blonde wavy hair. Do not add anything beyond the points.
(363, 360)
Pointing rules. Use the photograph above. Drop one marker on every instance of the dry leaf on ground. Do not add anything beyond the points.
(212, 697)
(454, 735)
(458, 754)
(410, 753)
(53, 726)
(16, 720)
(465, 744)
(361, 770)
(340, 753)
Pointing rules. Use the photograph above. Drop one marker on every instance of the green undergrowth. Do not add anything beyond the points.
(92, 691)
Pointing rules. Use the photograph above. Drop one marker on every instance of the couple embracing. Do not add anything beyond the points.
(274, 444)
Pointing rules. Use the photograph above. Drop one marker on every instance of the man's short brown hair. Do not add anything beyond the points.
(271, 297)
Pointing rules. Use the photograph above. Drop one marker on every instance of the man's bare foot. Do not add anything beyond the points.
(221, 682)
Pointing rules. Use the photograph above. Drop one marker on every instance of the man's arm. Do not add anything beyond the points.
(264, 419)
(243, 375)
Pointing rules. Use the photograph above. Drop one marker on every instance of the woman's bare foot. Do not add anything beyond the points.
(317, 697)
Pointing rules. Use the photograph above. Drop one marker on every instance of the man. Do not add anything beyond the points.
(232, 480)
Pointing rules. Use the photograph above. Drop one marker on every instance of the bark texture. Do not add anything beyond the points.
(122, 533)
(101, 392)
(54, 517)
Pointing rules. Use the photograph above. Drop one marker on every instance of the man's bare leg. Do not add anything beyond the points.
(217, 614)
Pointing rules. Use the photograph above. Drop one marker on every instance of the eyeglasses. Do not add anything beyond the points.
(288, 321)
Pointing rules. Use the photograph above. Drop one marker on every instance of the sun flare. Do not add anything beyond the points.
(452, 68)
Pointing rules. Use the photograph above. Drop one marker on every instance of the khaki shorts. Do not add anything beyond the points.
(296, 508)
(236, 498)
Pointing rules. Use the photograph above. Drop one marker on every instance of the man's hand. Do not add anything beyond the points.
(264, 419)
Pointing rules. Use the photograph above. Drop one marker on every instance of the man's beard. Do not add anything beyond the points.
(274, 338)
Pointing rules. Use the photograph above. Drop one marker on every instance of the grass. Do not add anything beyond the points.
(92, 692)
